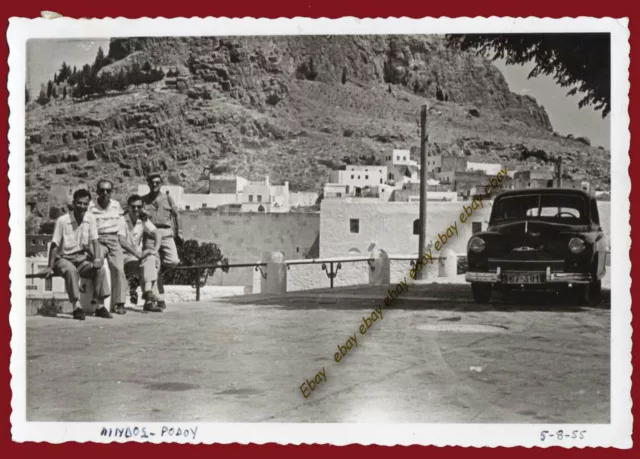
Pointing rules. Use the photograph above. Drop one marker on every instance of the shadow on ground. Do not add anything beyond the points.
(419, 297)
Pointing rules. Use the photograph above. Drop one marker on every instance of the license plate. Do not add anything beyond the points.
(523, 278)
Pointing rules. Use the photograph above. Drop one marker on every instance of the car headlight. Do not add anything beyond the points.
(576, 245)
(476, 245)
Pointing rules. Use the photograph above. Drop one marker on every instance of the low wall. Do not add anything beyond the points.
(305, 277)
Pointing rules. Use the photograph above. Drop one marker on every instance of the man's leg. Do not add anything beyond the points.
(148, 282)
(119, 284)
(168, 259)
(149, 274)
(67, 270)
(101, 288)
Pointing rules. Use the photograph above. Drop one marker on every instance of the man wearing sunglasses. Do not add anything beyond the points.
(164, 215)
(73, 255)
(108, 214)
(139, 261)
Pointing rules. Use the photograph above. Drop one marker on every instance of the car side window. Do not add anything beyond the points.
(595, 215)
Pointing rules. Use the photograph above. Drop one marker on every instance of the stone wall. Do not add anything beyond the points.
(243, 237)
(389, 226)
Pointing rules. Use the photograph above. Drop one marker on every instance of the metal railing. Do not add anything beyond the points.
(200, 281)
(336, 261)
(331, 266)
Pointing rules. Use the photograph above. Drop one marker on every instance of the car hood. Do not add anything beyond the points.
(525, 239)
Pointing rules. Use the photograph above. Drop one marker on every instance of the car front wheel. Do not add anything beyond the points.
(588, 294)
(481, 292)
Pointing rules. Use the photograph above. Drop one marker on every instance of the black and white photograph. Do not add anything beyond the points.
(387, 231)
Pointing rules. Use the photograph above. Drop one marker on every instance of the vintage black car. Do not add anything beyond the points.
(548, 238)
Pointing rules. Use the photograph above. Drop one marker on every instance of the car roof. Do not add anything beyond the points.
(531, 191)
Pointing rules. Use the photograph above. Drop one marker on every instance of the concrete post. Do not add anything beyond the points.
(381, 272)
(276, 281)
(257, 279)
(448, 263)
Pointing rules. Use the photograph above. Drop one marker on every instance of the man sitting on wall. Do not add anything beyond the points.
(140, 262)
(74, 254)
(108, 215)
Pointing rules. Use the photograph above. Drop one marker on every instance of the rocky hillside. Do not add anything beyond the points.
(290, 107)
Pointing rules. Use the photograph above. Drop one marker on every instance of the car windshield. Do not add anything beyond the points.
(569, 208)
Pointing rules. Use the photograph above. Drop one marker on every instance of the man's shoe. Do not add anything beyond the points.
(120, 309)
(150, 307)
(102, 312)
(162, 305)
(78, 314)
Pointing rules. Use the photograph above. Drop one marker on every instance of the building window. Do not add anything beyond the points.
(261, 208)
(250, 198)
(204, 205)
(352, 176)
(354, 225)
(297, 249)
(259, 198)
(338, 194)
(366, 177)
(366, 170)
(404, 158)
(416, 226)
(380, 180)
(358, 177)
(187, 207)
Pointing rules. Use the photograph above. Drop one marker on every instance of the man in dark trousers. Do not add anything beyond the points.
(74, 253)
(162, 212)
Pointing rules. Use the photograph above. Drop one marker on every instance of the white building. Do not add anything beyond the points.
(360, 176)
(262, 196)
(399, 158)
(401, 168)
(488, 168)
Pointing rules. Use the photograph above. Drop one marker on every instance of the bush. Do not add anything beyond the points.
(192, 253)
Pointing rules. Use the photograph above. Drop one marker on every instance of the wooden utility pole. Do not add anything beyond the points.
(559, 171)
(422, 239)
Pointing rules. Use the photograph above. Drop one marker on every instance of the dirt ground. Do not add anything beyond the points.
(435, 356)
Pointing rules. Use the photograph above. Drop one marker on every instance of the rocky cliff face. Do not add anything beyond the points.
(289, 107)
(258, 69)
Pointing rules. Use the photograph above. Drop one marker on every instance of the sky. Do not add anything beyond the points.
(44, 58)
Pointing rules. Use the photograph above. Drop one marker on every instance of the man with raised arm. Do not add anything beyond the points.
(164, 215)
(139, 261)
(108, 214)
(73, 254)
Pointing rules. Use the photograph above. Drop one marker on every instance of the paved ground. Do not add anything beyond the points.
(435, 357)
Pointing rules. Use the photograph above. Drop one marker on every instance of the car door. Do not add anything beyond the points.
(601, 240)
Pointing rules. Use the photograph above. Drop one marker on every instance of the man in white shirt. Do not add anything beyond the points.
(108, 215)
(144, 263)
(73, 254)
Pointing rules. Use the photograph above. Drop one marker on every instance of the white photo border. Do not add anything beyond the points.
(616, 434)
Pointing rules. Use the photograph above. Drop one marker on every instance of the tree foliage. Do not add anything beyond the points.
(581, 61)
(89, 81)
(42, 97)
(191, 253)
